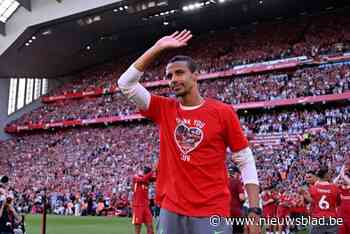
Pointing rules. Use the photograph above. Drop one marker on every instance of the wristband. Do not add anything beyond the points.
(255, 210)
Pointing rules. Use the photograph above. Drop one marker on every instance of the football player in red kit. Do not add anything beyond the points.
(324, 197)
(344, 209)
(297, 210)
(283, 209)
(237, 197)
(299, 205)
(141, 211)
(269, 207)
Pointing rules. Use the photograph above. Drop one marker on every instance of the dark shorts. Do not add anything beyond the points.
(171, 223)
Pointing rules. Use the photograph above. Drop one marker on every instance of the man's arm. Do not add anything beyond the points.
(245, 161)
(343, 175)
(336, 180)
(145, 178)
(129, 81)
(268, 202)
(242, 155)
(306, 194)
(308, 197)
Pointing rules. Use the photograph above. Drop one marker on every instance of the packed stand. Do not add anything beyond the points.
(81, 168)
(314, 81)
(87, 171)
(291, 161)
(295, 121)
(311, 36)
(91, 162)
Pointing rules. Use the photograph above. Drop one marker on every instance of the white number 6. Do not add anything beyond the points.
(323, 204)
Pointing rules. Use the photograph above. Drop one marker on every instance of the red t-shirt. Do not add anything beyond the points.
(140, 189)
(236, 187)
(325, 197)
(192, 177)
(283, 206)
(299, 207)
(344, 209)
(270, 208)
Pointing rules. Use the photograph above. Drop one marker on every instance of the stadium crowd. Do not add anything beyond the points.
(313, 81)
(79, 161)
(304, 82)
(295, 121)
(309, 36)
(82, 167)
(88, 171)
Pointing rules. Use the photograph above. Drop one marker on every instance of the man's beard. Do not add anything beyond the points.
(183, 92)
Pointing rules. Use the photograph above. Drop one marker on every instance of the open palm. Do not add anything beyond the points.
(175, 40)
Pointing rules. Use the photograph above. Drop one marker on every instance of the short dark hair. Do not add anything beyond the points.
(322, 172)
(147, 170)
(312, 172)
(183, 58)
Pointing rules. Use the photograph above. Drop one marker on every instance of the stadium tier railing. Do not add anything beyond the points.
(237, 70)
(240, 70)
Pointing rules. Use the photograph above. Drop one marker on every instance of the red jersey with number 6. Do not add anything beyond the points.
(325, 199)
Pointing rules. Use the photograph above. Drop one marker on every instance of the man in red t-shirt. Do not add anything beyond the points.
(269, 207)
(283, 208)
(237, 197)
(324, 199)
(140, 203)
(298, 206)
(343, 181)
(269, 203)
(194, 135)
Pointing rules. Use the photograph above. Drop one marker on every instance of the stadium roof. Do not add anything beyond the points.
(7, 8)
(73, 43)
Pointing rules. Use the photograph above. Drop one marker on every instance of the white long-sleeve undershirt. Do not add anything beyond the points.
(246, 163)
(129, 85)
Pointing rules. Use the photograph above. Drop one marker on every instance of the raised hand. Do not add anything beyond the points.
(175, 40)
(342, 171)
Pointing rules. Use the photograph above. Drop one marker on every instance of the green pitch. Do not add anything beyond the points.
(82, 225)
